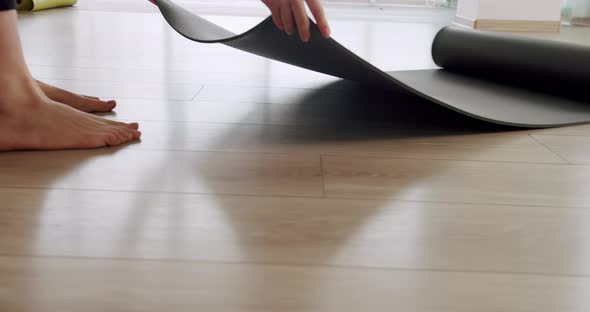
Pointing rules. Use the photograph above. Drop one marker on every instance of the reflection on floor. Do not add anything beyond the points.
(263, 187)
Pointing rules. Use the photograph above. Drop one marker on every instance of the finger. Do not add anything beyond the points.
(320, 17)
(287, 17)
(301, 19)
(276, 16)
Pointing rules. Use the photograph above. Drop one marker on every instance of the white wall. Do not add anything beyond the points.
(468, 8)
(532, 10)
(535, 10)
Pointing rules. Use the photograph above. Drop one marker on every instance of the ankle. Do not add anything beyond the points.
(10, 83)
(18, 92)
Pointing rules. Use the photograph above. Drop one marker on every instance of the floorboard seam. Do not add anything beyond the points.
(532, 136)
(309, 154)
(562, 135)
(192, 100)
(277, 196)
(311, 266)
(323, 175)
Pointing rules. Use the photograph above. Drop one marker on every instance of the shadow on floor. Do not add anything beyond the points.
(323, 231)
(345, 111)
(279, 229)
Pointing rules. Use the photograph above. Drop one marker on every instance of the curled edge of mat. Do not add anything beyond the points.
(286, 49)
(486, 101)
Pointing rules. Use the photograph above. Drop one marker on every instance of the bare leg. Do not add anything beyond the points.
(31, 120)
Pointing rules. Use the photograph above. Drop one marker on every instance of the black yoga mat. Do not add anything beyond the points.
(499, 78)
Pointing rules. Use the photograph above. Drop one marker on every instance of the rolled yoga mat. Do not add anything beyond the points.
(498, 78)
(36, 5)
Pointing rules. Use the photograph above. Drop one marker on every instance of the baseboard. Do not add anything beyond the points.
(510, 25)
(461, 20)
(581, 21)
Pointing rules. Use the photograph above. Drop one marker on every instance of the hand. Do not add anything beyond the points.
(288, 13)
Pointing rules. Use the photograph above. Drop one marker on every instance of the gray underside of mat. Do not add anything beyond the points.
(472, 95)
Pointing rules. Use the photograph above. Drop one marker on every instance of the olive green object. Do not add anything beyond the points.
(36, 5)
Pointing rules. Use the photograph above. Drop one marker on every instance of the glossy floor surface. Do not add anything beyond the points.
(259, 186)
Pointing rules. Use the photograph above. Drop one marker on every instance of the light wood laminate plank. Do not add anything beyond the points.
(301, 231)
(578, 130)
(270, 76)
(385, 142)
(168, 171)
(576, 149)
(134, 90)
(457, 181)
(105, 285)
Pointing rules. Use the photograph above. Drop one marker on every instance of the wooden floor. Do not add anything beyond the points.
(258, 186)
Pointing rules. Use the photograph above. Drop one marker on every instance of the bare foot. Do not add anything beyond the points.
(89, 104)
(30, 120)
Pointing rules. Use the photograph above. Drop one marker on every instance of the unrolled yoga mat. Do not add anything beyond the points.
(498, 78)
(36, 5)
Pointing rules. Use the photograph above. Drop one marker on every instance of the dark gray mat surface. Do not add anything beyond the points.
(498, 78)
